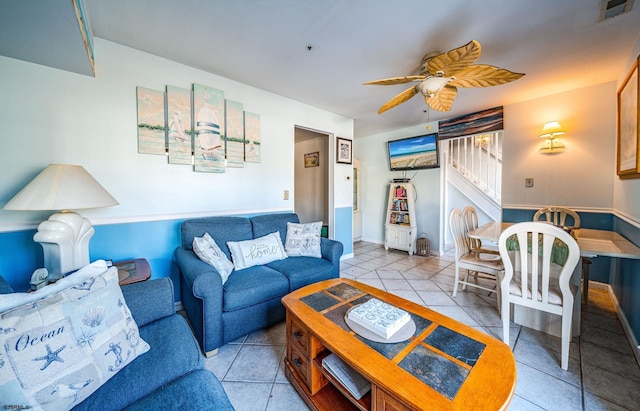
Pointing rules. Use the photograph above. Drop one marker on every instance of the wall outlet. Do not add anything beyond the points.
(528, 182)
(286, 195)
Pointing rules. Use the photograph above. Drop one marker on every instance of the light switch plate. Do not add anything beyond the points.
(528, 182)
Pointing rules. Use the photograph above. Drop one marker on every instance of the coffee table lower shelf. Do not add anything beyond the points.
(327, 398)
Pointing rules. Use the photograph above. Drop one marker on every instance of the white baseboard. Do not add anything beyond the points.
(623, 320)
(346, 256)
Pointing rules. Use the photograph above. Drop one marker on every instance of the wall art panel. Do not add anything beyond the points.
(234, 136)
(179, 133)
(251, 137)
(151, 121)
(208, 120)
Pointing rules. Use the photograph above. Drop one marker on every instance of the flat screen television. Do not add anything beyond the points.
(414, 153)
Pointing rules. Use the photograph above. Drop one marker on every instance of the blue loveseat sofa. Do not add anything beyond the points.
(250, 299)
(171, 375)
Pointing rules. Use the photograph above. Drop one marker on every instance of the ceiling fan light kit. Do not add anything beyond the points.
(431, 85)
(441, 74)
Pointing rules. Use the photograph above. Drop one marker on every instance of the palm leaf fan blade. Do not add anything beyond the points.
(399, 99)
(394, 80)
(482, 75)
(442, 100)
(454, 61)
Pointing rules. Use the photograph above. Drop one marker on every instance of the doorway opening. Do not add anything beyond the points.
(312, 170)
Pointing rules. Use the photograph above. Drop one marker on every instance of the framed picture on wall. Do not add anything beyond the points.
(343, 151)
(628, 142)
(312, 159)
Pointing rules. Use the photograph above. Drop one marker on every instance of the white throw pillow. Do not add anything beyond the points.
(58, 347)
(303, 240)
(258, 251)
(208, 251)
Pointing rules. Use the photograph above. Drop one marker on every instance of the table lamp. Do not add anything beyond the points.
(65, 235)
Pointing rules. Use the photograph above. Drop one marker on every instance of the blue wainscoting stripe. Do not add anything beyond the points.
(625, 280)
(153, 240)
(630, 232)
(344, 228)
(597, 221)
(19, 257)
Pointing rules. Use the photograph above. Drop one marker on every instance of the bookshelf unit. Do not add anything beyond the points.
(400, 225)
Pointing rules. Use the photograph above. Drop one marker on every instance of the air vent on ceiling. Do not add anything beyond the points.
(612, 8)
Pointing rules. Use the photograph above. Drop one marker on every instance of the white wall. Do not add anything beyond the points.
(580, 177)
(375, 178)
(626, 193)
(54, 116)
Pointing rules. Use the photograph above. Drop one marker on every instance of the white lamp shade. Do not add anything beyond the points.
(551, 129)
(61, 187)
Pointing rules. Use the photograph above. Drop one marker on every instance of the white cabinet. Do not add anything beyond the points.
(400, 227)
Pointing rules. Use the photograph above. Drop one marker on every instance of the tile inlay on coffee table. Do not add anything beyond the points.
(438, 372)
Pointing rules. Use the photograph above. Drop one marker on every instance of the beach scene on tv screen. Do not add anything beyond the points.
(413, 153)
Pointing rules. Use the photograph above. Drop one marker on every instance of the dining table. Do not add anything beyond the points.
(592, 243)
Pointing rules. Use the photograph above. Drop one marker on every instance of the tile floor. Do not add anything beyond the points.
(603, 373)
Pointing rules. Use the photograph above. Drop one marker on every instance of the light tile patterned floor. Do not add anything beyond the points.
(603, 373)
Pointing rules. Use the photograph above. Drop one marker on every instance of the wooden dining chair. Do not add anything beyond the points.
(558, 216)
(539, 261)
(469, 260)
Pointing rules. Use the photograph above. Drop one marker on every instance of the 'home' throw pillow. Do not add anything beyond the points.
(258, 251)
(61, 343)
(208, 251)
(303, 240)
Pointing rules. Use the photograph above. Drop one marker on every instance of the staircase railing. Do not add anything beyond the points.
(479, 159)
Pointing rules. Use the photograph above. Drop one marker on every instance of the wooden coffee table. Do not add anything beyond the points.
(445, 365)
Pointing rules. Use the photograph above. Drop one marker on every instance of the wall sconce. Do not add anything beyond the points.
(551, 131)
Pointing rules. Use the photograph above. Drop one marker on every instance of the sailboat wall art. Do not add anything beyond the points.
(197, 126)
(179, 131)
(234, 136)
(208, 119)
(151, 121)
(251, 137)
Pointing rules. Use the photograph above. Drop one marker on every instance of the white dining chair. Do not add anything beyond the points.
(534, 278)
(558, 216)
(469, 260)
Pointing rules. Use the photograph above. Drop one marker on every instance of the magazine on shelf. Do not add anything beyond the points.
(347, 376)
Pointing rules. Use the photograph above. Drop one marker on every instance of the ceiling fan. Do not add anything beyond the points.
(441, 74)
